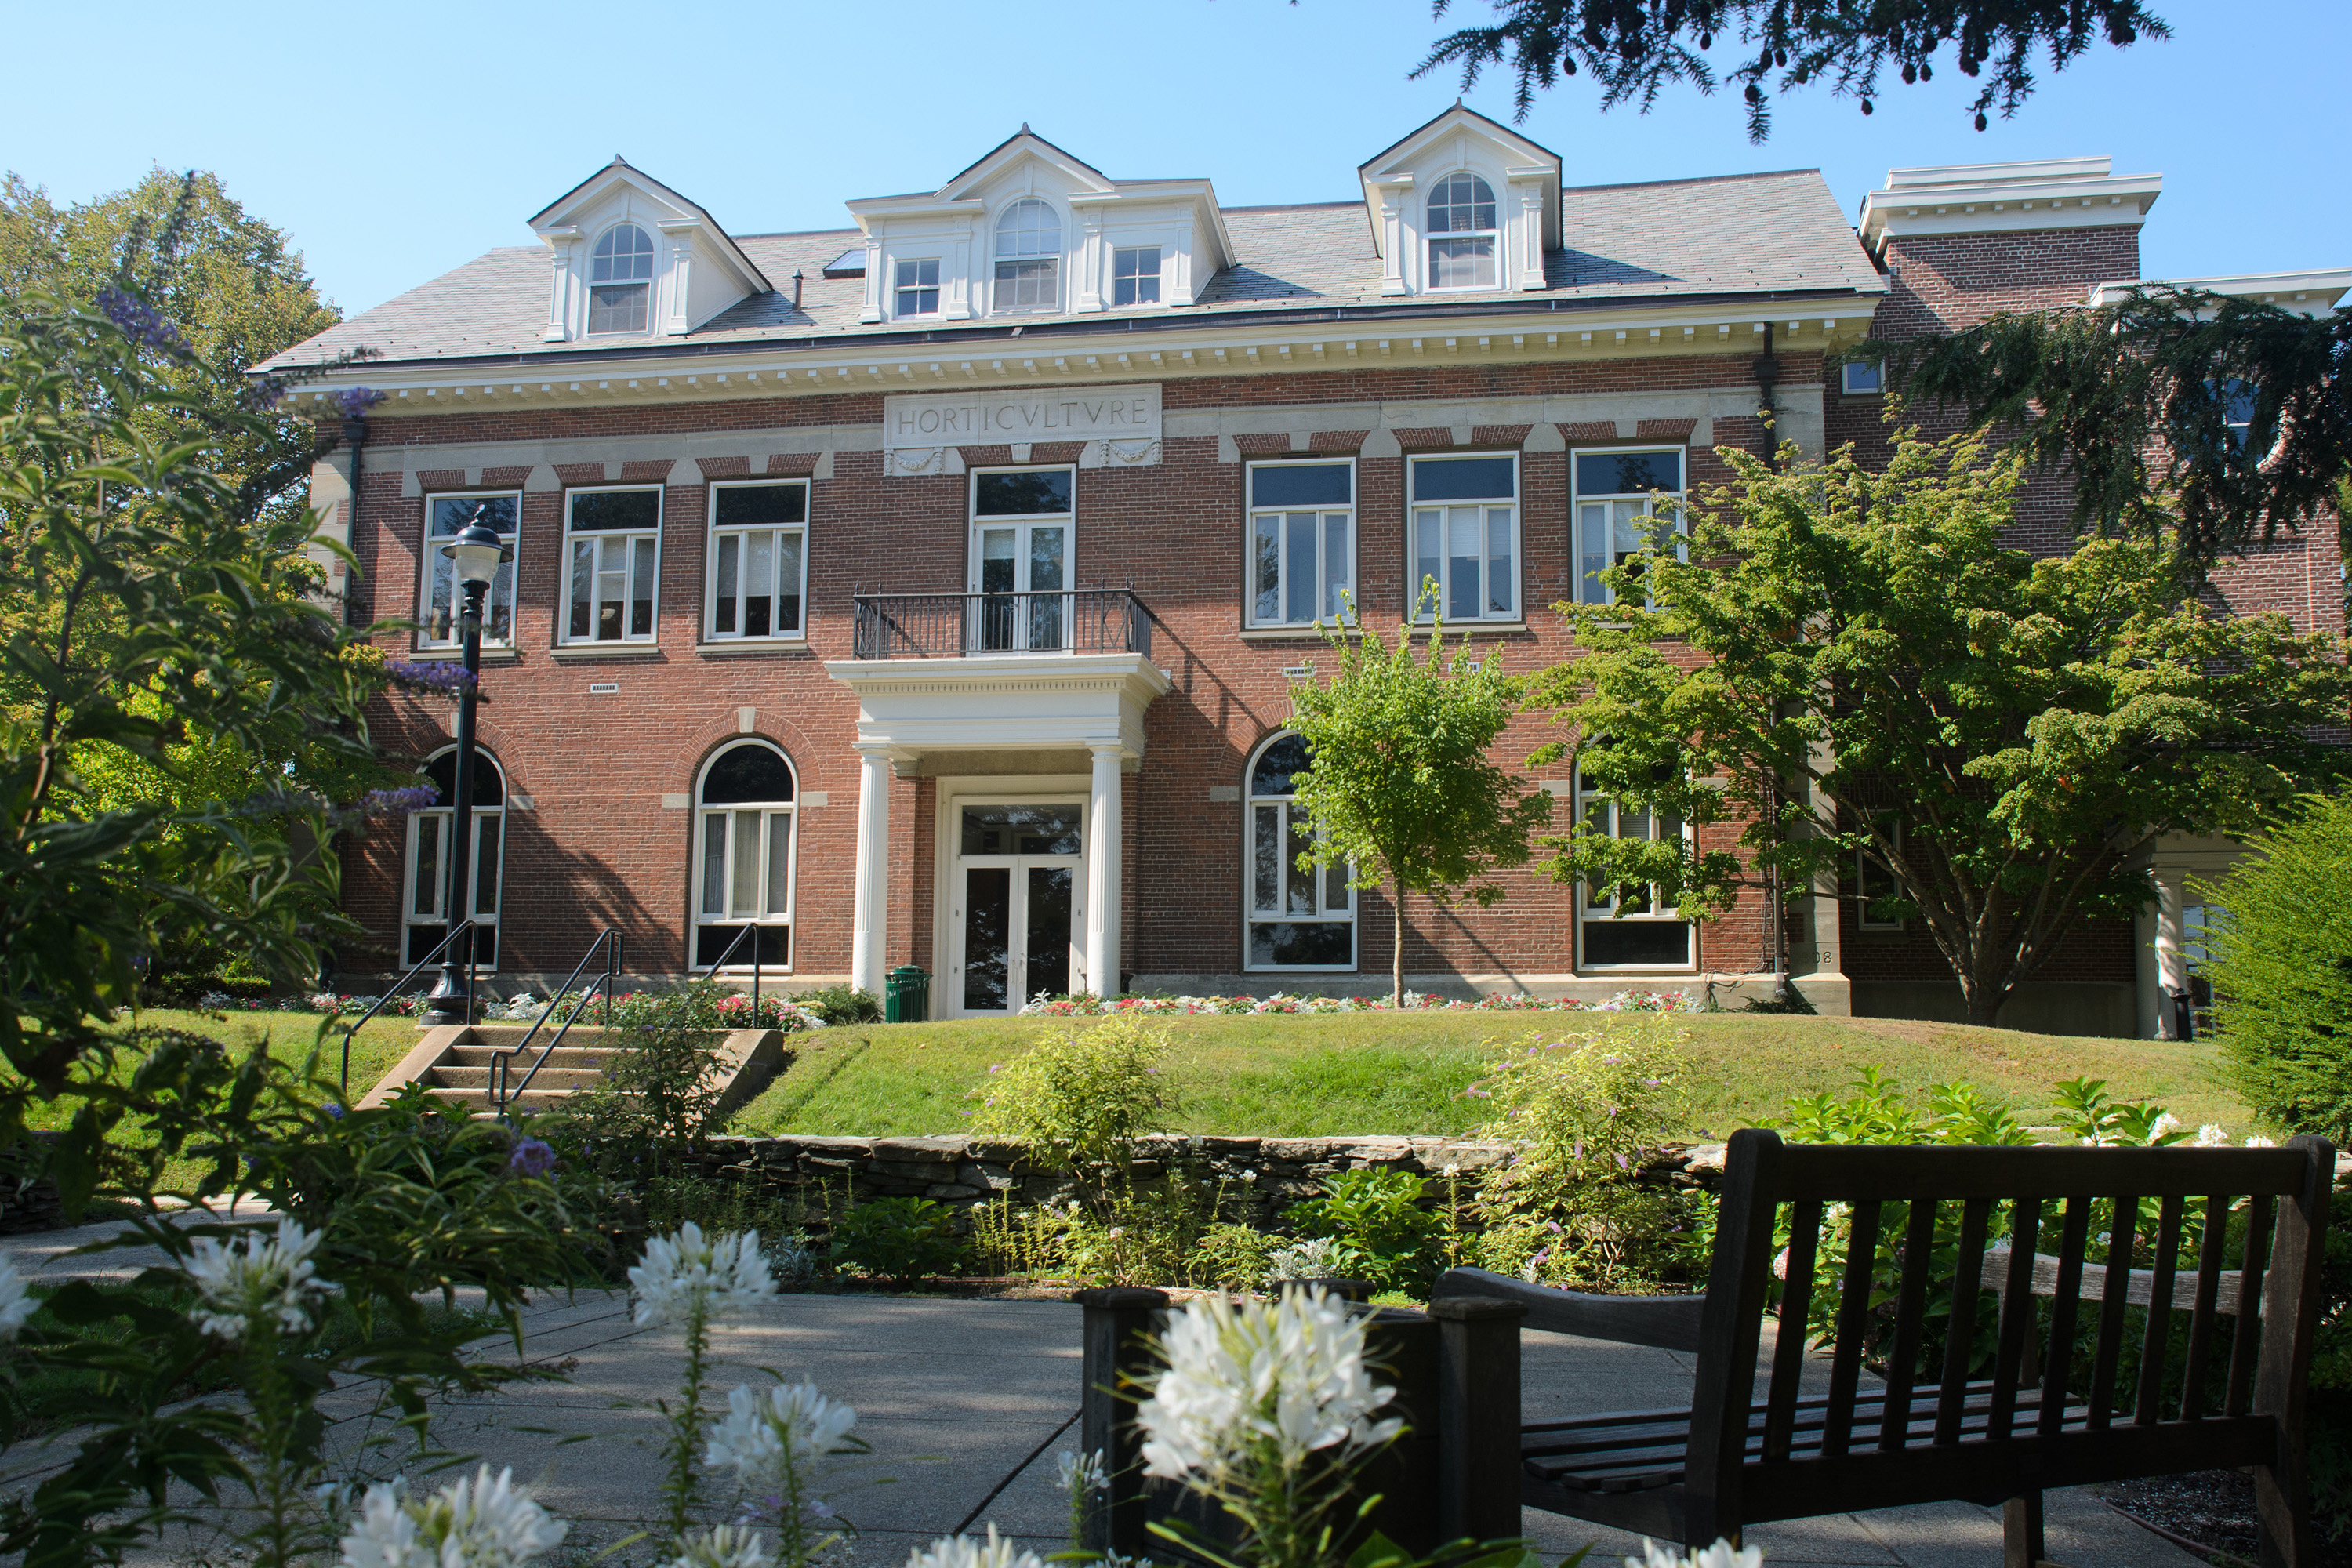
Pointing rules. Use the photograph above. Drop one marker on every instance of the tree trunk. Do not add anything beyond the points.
(1396, 967)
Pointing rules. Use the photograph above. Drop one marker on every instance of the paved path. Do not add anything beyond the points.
(965, 1403)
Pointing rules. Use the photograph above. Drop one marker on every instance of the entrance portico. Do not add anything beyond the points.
(1029, 750)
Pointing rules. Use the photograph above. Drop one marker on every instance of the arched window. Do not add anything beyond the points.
(620, 280)
(1028, 256)
(1298, 918)
(744, 863)
(1462, 235)
(424, 902)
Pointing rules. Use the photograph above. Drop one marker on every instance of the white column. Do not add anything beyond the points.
(872, 309)
(868, 937)
(2166, 963)
(1102, 875)
(559, 296)
(1393, 234)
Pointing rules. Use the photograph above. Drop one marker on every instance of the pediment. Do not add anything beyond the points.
(1462, 137)
(1063, 169)
(619, 190)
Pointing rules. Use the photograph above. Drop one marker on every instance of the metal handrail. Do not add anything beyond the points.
(957, 625)
(722, 962)
(463, 928)
(499, 1094)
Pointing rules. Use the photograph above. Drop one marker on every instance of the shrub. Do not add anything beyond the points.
(842, 1004)
(898, 1239)
(1081, 1100)
(2281, 963)
(1376, 1221)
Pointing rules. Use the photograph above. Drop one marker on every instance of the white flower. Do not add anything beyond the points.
(1314, 1260)
(1722, 1554)
(723, 1546)
(683, 1271)
(2165, 1122)
(260, 1277)
(16, 1303)
(2259, 1142)
(2210, 1136)
(1082, 1473)
(767, 1432)
(963, 1551)
(1241, 1372)
(484, 1522)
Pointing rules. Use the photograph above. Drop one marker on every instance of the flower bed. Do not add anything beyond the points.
(1087, 1005)
(724, 1010)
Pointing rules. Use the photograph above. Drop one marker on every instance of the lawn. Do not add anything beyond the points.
(1306, 1077)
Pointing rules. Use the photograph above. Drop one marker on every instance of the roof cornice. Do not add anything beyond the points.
(2308, 293)
(2005, 198)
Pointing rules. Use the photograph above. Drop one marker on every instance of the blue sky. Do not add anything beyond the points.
(393, 143)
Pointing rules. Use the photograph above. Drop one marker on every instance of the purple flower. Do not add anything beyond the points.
(267, 394)
(355, 401)
(433, 674)
(530, 1158)
(399, 802)
(141, 321)
(335, 1112)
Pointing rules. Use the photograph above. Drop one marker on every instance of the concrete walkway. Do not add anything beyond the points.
(965, 1403)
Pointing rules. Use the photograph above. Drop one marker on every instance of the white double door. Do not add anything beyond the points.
(1028, 564)
(1016, 913)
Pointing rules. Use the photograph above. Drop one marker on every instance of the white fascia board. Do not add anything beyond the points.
(2005, 207)
(1052, 700)
(1197, 194)
(864, 212)
(1027, 146)
(2310, 293)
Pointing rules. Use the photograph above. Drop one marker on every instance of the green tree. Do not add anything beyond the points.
(1634, 47)
(1852, 662)
(2204, 420)
(2281, 963)
(1401, 790)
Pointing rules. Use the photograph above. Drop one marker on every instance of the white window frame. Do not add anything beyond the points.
(444, 816)
(1156, 277)
(601, 537)
(901, 288)
(1861, 857)
(1855, 370)
(1516, 612)
(1057, 258)
(714, 534)
(1328, 585)
(645, 283)
(1609, 500)
(435, 568)
(1252, 916)
(1432, 238)
(1044, 629)
(1588, 910)
(728, 814)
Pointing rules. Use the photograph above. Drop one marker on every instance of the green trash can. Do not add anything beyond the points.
(907, 995)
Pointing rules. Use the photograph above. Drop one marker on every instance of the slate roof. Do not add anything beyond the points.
(1775, 234)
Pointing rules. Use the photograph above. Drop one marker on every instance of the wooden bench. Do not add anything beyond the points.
(2000, 1434)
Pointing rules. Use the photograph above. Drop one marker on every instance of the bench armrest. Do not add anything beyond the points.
(1667, 1323)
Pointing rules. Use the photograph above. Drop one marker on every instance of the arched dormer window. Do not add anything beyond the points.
(1463, 238)
(1028, 257)
(744, 807)
(1298, 918)
(620, 280)
(424, 902)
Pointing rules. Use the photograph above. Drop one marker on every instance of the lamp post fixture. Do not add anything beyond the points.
(475, 554)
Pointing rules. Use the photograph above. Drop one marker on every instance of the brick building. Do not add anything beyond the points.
(930, 590)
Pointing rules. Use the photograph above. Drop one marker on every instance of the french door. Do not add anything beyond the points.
(1026, 559)
(1016, 907)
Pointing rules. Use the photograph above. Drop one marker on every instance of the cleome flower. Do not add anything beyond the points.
(16, 1303)
(963, 1551)
(770, 1431)
(1722, 1554)
(682, 1274)
(1082, 1473)
(485, 1522)
(723, 1546)
(259, 1278)
(1244, 1375)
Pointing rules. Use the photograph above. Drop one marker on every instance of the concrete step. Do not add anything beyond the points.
(584, 1033)
(477, 1101)
(577, 1058)
(550, 1078)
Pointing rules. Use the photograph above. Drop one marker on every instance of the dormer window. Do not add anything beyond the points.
(620, 280)
(1028, 257)
(1462, 235)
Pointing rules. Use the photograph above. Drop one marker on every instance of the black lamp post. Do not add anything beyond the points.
(475, 554)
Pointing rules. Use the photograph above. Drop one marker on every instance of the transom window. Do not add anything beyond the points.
(917, 287)
(1302, 541)
(445, 515)
(425, 901)
(615, 542)
(1028, 257)
(758, 560)
(743, 862)
(1466, 537)
(1462, 234)
(1299, 918)
(1135, 276)
(1630, 926)
(620, 280)
(1020, 572)
(1617, 516)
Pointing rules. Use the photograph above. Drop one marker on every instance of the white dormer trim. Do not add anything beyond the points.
(2307, 293)
(698, 269)
(2006, 198)
(1524, 176)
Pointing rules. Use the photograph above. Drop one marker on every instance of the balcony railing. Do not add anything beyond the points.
(961, 625)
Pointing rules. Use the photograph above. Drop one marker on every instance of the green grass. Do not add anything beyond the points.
(1301, 1076)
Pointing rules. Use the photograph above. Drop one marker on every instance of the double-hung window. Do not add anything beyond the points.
(1135, 276)
(1618, 514)
(759, 559)
(917, 287)
(445, 515)
(1302, 542)
(1298, 918)
(1466, 537)
(620, 280)
(1028, 257)
(1630, 925)
(1462, 235)
(744, 863)
(1874, 881)
(614, 545)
